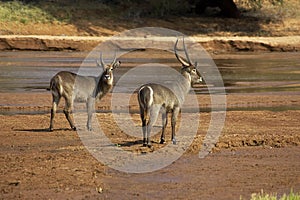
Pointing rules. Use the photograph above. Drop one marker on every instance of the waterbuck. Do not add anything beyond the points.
(73, 87)
(154, 97)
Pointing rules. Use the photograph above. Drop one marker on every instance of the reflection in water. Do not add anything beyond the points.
(271, 74)
(32, 71)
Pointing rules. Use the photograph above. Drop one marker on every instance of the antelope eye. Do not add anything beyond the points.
(194, 70)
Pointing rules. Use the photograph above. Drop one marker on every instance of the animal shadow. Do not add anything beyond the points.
(133, 143)
(40, 130)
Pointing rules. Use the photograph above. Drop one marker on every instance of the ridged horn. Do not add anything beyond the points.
(181, 60)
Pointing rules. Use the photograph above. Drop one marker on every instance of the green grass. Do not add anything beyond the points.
(49, 12)
(264, 196)
(15, 11)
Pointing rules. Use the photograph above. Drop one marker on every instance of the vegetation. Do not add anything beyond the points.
(49, 12)
(107, 17)
(263, 196)
(257, 4)
(65, 10)
(17, 11)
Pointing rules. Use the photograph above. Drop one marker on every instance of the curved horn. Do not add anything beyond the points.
(186, 53)
(182, 61)
(115, 58)
(101, 60)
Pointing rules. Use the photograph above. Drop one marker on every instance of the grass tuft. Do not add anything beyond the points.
(264, 196)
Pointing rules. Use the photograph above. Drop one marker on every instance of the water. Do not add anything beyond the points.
(242, 73)
(278, 72)
(32, 71)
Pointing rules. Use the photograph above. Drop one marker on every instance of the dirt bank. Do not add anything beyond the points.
(216, 44)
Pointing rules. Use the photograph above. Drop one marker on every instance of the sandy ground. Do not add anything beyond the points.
(258, 149)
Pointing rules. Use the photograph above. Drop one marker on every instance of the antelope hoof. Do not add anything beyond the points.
(144, 142)
(162, 141)
(74, 128)
(50, 129)
(147, 145)
(89, 127)
(174, 141)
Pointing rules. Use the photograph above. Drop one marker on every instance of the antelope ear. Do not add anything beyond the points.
(116, 64)
(187, 68)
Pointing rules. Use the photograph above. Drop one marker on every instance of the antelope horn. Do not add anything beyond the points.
(182, 61)
(101, 60)
(186, 53)
(115, 58)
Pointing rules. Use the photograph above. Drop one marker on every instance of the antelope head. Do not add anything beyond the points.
(108, 68)
(187, 66)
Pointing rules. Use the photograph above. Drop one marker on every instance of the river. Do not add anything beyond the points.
(28, 71)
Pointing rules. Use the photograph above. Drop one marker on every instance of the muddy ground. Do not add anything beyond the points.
(258, 149)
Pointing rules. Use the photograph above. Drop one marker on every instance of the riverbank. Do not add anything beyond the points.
(217, 44)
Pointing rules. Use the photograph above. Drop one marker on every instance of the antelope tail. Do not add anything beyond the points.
(145, 96)
(56, 85)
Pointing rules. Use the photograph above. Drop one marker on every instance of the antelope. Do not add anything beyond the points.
(154, 97)
(73, 87)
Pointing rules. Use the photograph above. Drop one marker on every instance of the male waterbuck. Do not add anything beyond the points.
(73, 87)
(154, 97)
